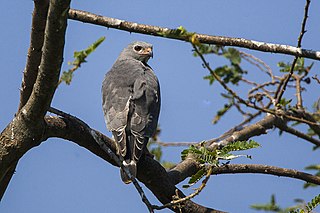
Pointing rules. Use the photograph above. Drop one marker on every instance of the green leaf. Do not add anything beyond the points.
(202, 154)
(157, 152)
(271, 206)
(307, 185)
(231, 73)
(299, 67)
(196, 177)
(221, 112)
(233, 55)
(210, 78)
(240, 145)
(314, 203)
(205, 156)
(284, 102)
(79, 58)
(67, 76)
(285, 67)
(309, 207)
(184, 154)
(206, 49)
(168, 164)
(313, 167)
(177, 33)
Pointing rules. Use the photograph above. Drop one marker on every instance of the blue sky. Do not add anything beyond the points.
(59, 176)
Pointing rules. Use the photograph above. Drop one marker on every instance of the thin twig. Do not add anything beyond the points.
(195, 193)
(161, 143)
(302, 32)
(283, 126)
(315, 77)
(286, 80)
(257, 62)
(298, 91)
(234, 94)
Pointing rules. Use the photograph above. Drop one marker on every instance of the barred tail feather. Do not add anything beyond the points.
(132, 167)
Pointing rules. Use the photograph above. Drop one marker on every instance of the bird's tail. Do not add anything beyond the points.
(132, 167)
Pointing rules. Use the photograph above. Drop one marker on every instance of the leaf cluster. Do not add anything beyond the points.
(301, 207)
(272, 206)
(179, 32)
(221, 112)
(212, 158)
(299, 67)
(231, 73)
(285, 103)
(315, 167)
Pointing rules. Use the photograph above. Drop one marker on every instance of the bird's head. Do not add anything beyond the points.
(138, 50)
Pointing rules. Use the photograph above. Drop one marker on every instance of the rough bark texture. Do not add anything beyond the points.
(35, 50)
(27, 128)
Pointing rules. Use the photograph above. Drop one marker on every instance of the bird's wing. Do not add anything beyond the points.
(116, 103)
(146, 103)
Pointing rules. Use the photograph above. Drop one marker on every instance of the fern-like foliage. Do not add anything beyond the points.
(301, 206)
(212, 158)
(315, 167)
(313, 203)
(240, 145)
(195, 178)
(309, 207)
(79, 58)
(272, 206)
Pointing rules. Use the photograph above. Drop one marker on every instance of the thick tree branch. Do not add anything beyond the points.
(26, 129)
(189, 166)
(150, 172)
(284, 127)
(74, 131)
(264, 169)
(29, 77)
(106, 149)
(30, 72)
(206, 39)
(308, 116)
(51, 61)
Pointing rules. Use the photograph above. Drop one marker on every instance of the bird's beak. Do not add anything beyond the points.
(148, 51)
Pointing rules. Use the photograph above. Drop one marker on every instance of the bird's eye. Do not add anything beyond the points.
(137, 48)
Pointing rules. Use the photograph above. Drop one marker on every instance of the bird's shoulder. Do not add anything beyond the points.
(128, 66)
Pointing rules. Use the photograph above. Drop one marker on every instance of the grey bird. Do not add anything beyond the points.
(131, 103)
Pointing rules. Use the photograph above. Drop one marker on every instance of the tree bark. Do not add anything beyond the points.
(27, 128)
(87, 17)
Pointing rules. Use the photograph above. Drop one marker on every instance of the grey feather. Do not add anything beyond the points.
(131, 102)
